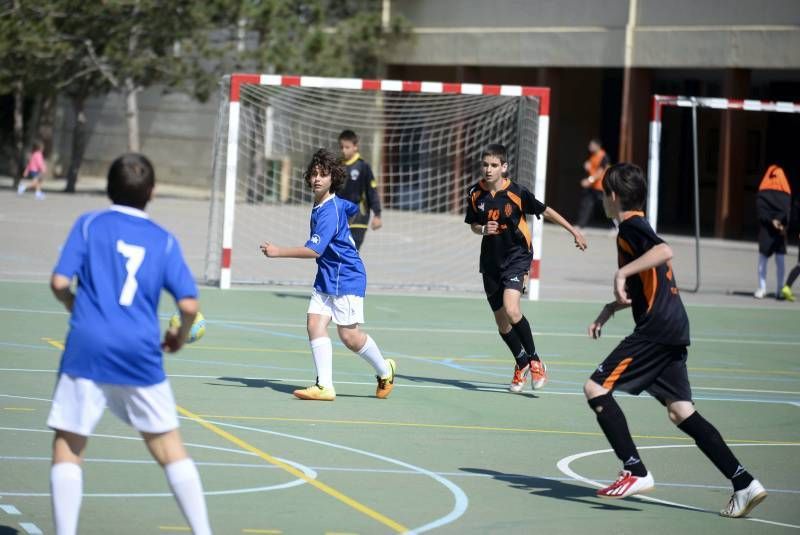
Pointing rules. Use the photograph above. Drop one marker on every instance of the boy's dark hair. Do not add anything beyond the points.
(131, 179)
(38, 145)
(497, 150)
(349, 135)
(627, 181)
(327, 162)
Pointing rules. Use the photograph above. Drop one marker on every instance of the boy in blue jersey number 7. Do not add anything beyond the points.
(113, 353)
(340, 283)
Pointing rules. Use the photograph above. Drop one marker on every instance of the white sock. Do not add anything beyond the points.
(188, 490)
(322, 351)
(762, 272)
(780, 270)
(66, 488)
(373, 355)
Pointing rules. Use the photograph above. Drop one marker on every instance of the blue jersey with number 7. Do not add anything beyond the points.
(122, 261)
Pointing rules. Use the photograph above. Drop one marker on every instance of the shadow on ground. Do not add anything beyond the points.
(463, 385)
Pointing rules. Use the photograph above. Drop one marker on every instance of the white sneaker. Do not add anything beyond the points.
(20, 189)
(743, 501)
(626, 485)
(760, 293)
(40, 195)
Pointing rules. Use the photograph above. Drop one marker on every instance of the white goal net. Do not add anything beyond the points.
(423, 141)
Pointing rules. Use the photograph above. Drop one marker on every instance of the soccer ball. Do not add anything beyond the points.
(198, 327)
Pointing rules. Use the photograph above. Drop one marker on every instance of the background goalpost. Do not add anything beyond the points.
(423, 141)
(653, 167)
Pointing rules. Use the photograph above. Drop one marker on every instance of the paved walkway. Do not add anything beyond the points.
(34, 230)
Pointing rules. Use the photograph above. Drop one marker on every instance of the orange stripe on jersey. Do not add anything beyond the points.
(615, 375)
(523, 227)
(523, 222)
(625, 246)
(775, 179)
(649, 285)
(475, 195)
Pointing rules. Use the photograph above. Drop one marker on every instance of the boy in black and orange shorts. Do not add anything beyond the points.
(653, 357)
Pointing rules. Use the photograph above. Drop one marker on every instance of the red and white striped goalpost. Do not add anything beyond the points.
(237, 80)
(659, 101)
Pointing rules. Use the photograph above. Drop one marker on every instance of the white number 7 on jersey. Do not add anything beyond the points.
(135, 256)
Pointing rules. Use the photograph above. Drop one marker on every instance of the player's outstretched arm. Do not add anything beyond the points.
(555, 217)
(656, 256)
(61, 287)
(273, 251)
(175, 338)
(608, 311)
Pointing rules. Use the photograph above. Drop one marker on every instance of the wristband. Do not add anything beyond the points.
(483, 230)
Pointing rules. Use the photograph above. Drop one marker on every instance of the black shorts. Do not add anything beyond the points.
(358, 236)
(637, 365)
(495, 283)
(770, 241)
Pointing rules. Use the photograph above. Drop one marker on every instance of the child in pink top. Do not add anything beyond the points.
(34, 171)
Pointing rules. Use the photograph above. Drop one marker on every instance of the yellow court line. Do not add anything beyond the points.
(270, 531)
(174, 528)
(467, 428)
(327, 489)
(26, 409)
(554, 362)
(54, 343)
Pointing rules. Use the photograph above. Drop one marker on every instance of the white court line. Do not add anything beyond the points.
(443, 387)
(10, 509)
(443, 330)
(30, 528)
(563, 466)
(248, 490)
(460, 498)
(353, 470)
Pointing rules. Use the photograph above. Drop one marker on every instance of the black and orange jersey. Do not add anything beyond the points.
(597, 161)
(774, 198)
(511, 248)
(361, 189)
(656, 304)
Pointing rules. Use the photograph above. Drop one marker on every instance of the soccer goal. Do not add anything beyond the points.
(654, 160)
(423, 141)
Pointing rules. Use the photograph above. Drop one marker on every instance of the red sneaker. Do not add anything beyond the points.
(626, 485)
(538, 374)
(519, 379)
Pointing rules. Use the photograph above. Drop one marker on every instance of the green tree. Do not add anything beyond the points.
(321, 37)
(29, 60)
(86, 49)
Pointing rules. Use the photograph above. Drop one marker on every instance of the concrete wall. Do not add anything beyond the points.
(581, 33)
(176, 133)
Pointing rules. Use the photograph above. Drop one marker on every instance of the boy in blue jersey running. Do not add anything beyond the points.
(340, 283)
(113, 353)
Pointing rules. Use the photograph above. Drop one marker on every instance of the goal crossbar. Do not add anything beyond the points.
(239, 81)
(657, 105)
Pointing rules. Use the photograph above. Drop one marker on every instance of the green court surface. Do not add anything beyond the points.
(450, 451)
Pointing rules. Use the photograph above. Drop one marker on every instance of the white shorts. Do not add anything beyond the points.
(343, 309)
(79, 403)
